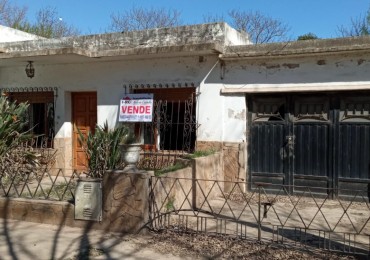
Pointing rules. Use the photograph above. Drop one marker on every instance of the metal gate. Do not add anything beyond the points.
(310, 140)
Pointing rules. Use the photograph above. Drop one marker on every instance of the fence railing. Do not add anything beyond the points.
(311, 216)
(38, 183)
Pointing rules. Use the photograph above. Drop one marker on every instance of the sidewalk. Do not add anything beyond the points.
(26, 240)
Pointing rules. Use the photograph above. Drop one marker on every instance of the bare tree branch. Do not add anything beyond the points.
(49, 25)
(3, 6)
(139, 18)
(358, 26)
(212, 18)
(12, 15)
(261, 28)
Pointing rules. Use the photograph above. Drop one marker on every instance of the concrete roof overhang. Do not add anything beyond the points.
(203, 39)
(78, 55)
(295, 49)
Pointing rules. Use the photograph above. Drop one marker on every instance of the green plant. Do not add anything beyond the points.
(171, 168)
(197, 154)
(307, 36)
(128, 137)
(170, 205)
(102, 148)
(13, 133)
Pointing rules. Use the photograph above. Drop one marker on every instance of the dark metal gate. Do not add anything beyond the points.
(310, 140)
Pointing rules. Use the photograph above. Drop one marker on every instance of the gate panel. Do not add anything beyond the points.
(311, 155)
(268, 153)
(355, 151)
(311, 127)
(354, 143)
(267, 138)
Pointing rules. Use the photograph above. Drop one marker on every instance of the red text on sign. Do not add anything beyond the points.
(136, 109)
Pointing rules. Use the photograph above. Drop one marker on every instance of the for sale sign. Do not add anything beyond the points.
(136, 108)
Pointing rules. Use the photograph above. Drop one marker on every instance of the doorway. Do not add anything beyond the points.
(84, 119)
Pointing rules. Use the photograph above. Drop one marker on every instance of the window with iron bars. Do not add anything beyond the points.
(174, 123)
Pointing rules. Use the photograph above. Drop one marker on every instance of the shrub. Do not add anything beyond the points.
(102, 148)
(13, 133)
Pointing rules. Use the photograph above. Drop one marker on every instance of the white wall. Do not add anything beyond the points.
(107, 78)
(221, 117)
(298, 73)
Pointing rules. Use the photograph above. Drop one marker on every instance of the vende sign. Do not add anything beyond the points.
(136, 108)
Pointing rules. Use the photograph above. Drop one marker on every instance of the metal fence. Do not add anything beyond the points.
(308, 218)
(38, 183)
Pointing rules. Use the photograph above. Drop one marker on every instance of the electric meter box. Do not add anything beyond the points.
(88, 199)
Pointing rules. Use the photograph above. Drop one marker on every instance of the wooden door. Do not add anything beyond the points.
(84, 116)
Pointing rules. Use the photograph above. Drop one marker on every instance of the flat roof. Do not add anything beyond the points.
(298, 48)
(184, 40)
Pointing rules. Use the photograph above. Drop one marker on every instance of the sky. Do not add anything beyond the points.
(321, 17)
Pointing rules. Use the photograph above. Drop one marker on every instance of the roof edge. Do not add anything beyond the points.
(297, 48)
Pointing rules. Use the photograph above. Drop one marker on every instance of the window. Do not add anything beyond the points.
(174, 123)
(40, 115)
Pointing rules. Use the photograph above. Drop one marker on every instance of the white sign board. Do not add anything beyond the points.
(136, 108)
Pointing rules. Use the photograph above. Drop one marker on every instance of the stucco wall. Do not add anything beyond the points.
(297, 73)
(220, 117)
(185, 188)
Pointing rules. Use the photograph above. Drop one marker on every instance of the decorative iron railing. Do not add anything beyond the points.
(38, 183)
(309, 218)
(171, 133)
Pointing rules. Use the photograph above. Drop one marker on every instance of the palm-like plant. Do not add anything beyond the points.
(102, 148)
(14, 132)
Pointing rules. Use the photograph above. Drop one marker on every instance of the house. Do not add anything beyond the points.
(79, 82)
(292, 113)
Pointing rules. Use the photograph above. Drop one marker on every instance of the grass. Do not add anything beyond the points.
(58, 189)
(170, 205)
(201, 153)
(171, 168)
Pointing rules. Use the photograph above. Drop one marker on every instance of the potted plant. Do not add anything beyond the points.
(130, 149)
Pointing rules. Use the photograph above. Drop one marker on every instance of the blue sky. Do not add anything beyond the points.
(321, 17)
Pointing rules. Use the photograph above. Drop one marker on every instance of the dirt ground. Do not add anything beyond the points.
(173, 245)
(202, 246)
(27, 240)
